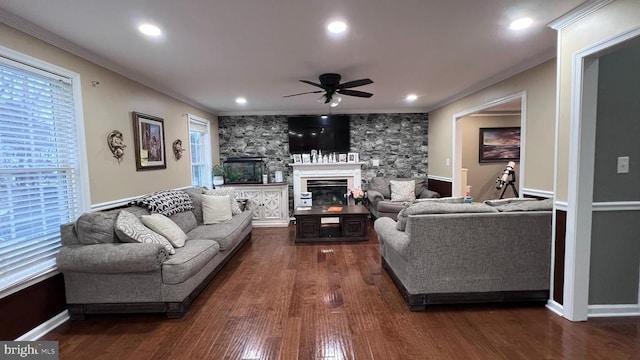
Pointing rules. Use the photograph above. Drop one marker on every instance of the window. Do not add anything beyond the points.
(43, 174)
(200, 146)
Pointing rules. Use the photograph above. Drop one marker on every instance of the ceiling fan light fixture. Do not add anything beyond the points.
(335, 100)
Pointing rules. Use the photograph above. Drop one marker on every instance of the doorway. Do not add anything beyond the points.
(469, 169)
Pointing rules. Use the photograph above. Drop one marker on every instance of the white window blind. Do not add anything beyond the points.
(40, 185)
(200, 147)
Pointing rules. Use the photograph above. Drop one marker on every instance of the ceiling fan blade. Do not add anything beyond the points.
(355, 93)
(314, 84)
(308, 92)
(355, 83)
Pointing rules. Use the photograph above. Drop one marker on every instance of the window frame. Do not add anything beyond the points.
(196, 121)
(16, 59)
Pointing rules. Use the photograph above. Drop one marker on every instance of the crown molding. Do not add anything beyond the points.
(510, 72)
(335, 110)
(578, 13)
(39, 33)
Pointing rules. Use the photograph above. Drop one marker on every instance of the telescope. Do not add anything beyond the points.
(507, 178)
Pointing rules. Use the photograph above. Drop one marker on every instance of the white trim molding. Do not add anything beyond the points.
(439, 178)
(614, 310)
(561, 205)
(616, 206)
(573, 16)
(44, 328)
(555, 307)
(539, 193)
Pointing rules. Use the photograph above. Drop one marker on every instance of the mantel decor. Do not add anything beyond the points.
(148, 133)
(499, 144)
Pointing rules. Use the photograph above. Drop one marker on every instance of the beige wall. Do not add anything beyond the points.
(540, 84)
(108, 106)
(482, 176)
(617, 17)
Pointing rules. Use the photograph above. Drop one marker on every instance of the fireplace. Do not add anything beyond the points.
(304, 173)
(327, 192)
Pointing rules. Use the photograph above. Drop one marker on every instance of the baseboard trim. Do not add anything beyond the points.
(555, 307)
(44, 328)
(613, 310)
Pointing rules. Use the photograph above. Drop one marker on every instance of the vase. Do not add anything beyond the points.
(218, 181)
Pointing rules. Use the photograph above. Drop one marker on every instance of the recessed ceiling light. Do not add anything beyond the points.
(150, 30)
(241, 100)
(521, 23)
(337, 27)
(412, 97)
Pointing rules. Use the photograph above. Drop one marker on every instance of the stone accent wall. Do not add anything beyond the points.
(398, 141)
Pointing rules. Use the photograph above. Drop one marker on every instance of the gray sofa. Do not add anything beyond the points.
(104, 275)
(463, 253)
(379, 196)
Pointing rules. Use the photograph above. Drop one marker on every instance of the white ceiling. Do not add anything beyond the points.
(214, 51)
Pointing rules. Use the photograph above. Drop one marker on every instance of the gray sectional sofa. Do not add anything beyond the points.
(104, 275)
(440, 253)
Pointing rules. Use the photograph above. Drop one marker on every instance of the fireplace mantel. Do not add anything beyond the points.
(302, 172)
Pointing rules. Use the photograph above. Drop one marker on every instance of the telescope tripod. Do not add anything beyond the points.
(510, 183)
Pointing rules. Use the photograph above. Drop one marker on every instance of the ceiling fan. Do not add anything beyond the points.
(332, 89)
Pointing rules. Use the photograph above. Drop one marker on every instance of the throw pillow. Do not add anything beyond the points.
(403, 190)
(216, 209)
(129, 228)
(166, 202)
(165, 227)
(231, 192)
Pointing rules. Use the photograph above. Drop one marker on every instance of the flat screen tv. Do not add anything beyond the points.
(328, 133)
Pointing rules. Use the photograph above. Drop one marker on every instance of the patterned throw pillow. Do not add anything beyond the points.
(235, 207)
(167, 202)
(403, 190)
(129, 228)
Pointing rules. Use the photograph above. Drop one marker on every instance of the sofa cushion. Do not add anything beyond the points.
(165, 227)
(231, 192)
(434, 207)
(188, 260)
(96, 228)
(227, 234)
(499, 202)
(446, 200)
(186, 220)
(166, 202)
(216, 209)
(403, 190)
(195, 193)
(540, 205)
(129, 228)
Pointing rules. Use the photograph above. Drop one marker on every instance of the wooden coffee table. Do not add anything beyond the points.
(318, 224)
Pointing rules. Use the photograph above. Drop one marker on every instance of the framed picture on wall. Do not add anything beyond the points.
(148, 135)
(499, 144)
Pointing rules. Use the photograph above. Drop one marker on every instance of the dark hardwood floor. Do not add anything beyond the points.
(280, 300)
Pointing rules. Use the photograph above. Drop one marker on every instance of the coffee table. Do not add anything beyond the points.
(318, 224)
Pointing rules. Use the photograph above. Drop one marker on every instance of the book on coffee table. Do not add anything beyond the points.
(334, 208)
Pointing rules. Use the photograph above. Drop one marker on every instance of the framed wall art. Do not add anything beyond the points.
(148, 134)
(499, 144)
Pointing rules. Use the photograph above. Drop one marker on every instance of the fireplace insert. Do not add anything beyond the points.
(327, 192)
(243, 170)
